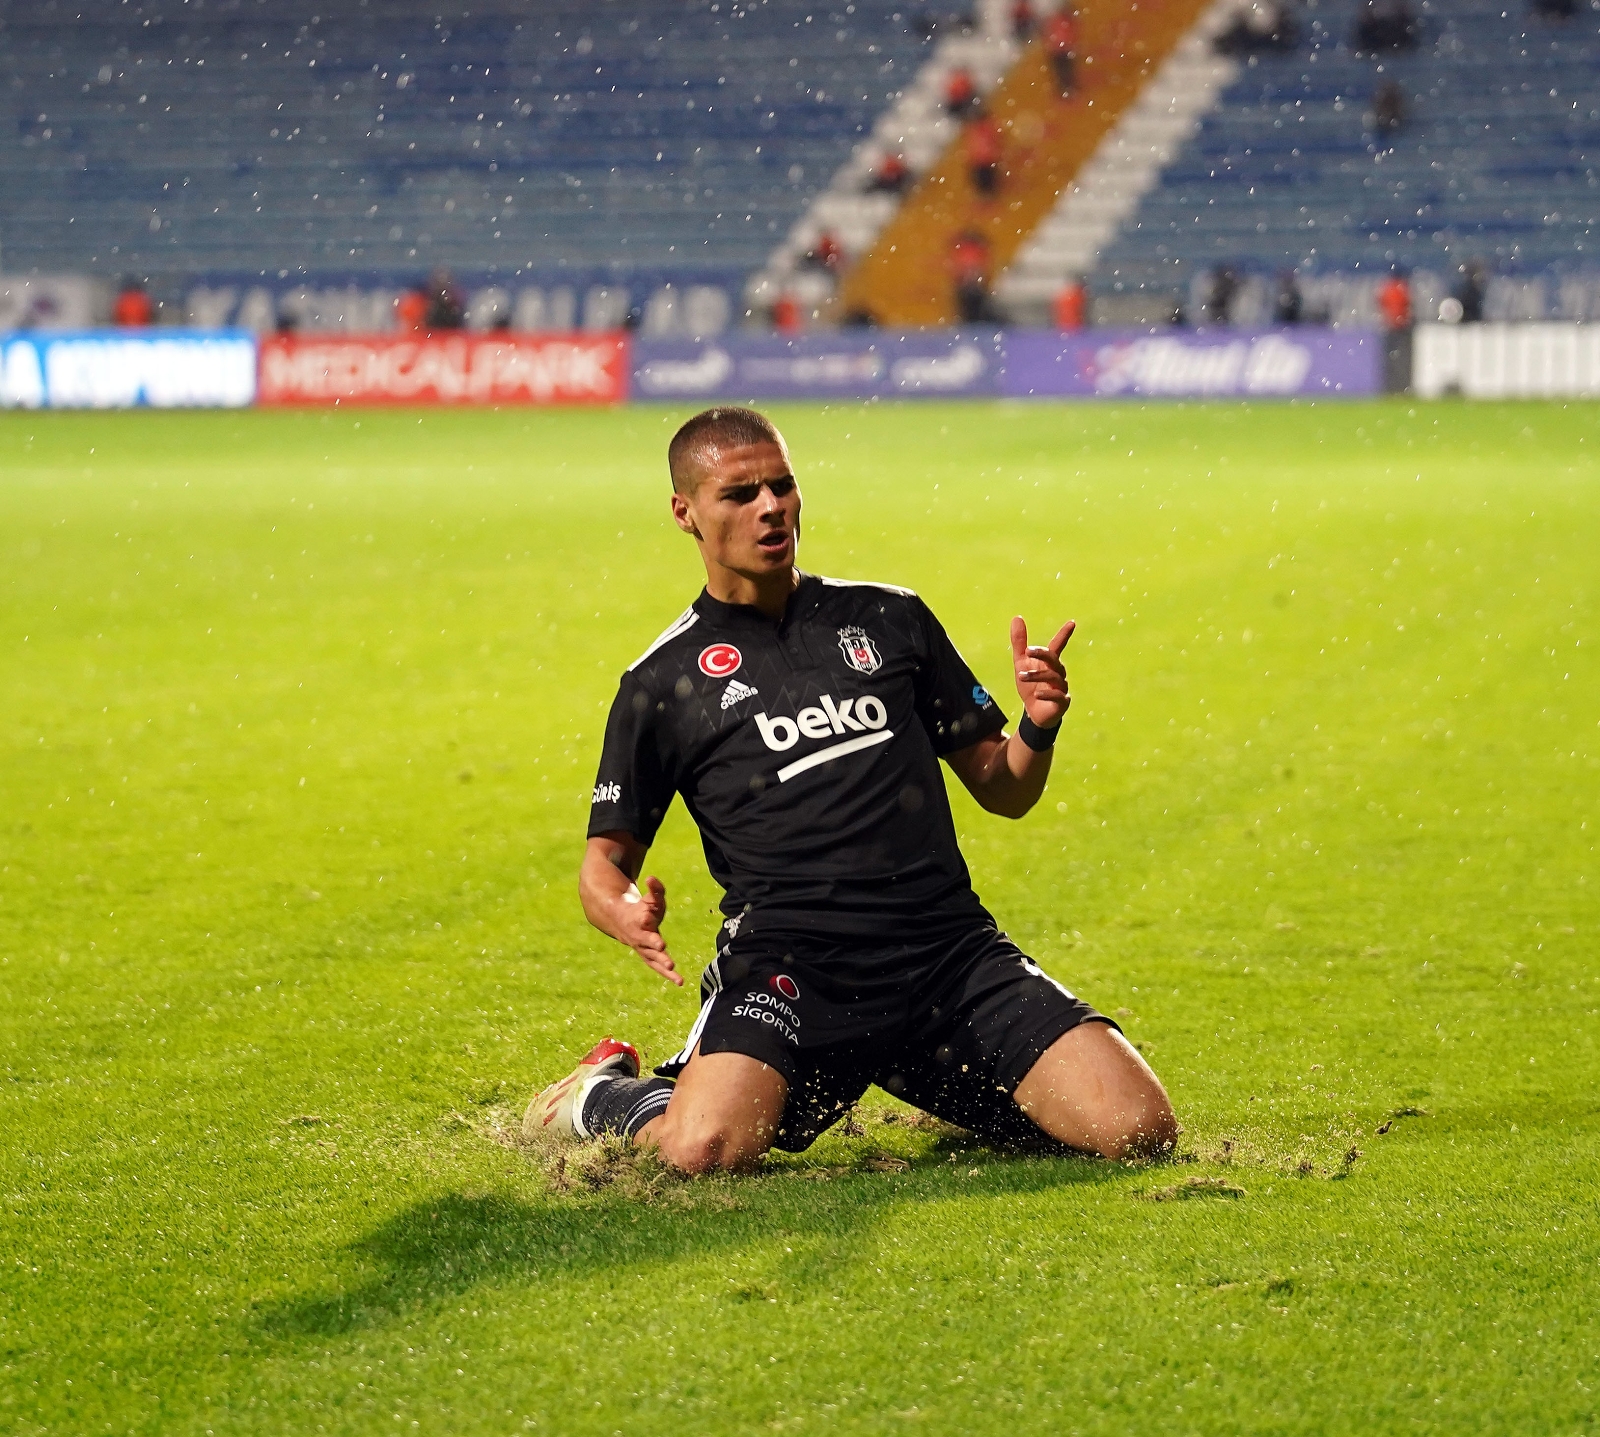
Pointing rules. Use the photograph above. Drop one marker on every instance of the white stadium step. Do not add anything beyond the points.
(915, 127)
(1124, 167)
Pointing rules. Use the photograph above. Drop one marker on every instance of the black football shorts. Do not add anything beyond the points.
(950, 1025)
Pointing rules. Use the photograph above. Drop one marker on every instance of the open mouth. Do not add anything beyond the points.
(774, 542)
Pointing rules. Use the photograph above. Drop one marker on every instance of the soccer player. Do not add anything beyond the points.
(802, 720)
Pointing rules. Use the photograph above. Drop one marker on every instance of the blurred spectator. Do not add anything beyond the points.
(1555, 9)
(132, 308)
(1470, 291)
(1061, 45)
(826, 253)
(1258, 27)
(1023, 20)
(969, 270)
(1219, 301)
(411, 311)
(445, 310)
(786, 317)
(1388, 111)
(984, 144)
(1287, 301)
(892, 177)
(1070, 307)
(1386, 25)
(960, 93)
(1394, 301)
(1394, 305)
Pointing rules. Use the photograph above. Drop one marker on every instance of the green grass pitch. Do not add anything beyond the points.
(301, 713)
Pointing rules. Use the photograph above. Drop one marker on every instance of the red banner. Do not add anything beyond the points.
(445, 369)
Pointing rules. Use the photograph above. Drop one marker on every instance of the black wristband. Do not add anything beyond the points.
(1038, 739)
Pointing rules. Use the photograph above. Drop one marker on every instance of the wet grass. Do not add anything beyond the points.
(301, 716)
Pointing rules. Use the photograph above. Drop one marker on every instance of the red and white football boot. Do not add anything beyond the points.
(555, 1111)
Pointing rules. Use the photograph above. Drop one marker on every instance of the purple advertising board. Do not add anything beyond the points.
(1178, 363)
(952, 363)
(842, 364)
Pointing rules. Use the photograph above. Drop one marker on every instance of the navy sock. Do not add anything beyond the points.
(623, 1105)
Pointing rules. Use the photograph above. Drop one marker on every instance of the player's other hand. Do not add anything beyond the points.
(642, 917)
(1041, 676)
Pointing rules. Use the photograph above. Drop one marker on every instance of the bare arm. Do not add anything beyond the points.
(1001, 771)
(608, 888)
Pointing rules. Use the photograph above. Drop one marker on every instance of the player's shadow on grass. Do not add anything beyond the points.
(434, 1251)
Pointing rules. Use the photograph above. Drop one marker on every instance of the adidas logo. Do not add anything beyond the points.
(736, 693)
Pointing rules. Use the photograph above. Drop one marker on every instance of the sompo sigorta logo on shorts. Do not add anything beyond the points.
(784, 985)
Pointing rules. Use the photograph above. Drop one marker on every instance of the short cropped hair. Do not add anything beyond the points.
(726, 427)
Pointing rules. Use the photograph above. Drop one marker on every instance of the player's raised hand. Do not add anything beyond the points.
(642, 917)
(1041, 676)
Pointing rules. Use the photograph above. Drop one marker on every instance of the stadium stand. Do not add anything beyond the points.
(1122, 170)
(1497, 158)
(917, 128)
(1047, 135)
(245, 136)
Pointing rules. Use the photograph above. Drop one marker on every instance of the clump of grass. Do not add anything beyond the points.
(920, 1122)
(1397, 1113)
(611, 1164)
(606, 1163)
(1331, 1153)
(1191, 1188)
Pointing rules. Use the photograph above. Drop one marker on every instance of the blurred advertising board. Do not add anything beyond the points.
(1184, 363)
(445, 369)
(1507, 361)
(53, 301)
(172, 367)
(679, 301)
(839, 364)
(120, 369)
(865, 364)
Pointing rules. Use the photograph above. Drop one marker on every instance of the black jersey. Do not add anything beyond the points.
(807, 752)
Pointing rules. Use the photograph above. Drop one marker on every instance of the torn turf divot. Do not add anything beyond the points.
(1190, 1188)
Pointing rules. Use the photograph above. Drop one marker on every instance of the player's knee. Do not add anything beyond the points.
(1150, 1130)
(709, 1149)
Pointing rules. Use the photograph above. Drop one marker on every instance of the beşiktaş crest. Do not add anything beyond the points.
(859, 651)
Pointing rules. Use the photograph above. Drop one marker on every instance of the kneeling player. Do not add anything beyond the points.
(802, 719)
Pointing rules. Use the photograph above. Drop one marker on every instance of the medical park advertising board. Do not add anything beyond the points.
(456, 368)
(123, 369)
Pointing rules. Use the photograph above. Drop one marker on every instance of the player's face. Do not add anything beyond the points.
(745, 511)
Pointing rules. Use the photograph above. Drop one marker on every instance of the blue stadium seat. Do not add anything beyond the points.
(1499, 158)
(160, 136)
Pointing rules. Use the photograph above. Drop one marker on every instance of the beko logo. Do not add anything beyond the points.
(832, 718)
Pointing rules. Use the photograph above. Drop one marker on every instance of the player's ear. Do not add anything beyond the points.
(683, 516)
